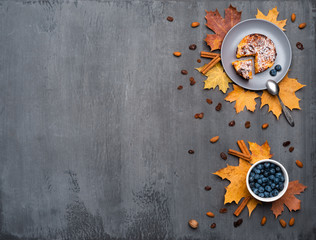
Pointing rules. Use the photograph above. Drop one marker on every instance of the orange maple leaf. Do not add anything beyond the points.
(237, 189)
(289, 199)
(272, 17)
(288, 87)
(220, 26)
(243, 99)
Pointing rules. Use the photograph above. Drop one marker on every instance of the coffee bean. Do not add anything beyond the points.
(192, 47)
(223, 210)
(213, 225)
(199, 60)
(238, 222)
(247, 124)
(191, 151)
(291, 149)
(207, 188)
(218, 107)
(192, 81)
(231, 123)
(170, 19)
(184, 72)
(223, 156)
(299, 46)
(180, 87)
(287, 143)
(209, 101)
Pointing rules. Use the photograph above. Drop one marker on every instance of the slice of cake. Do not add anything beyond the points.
(243, 68)
(261, 47)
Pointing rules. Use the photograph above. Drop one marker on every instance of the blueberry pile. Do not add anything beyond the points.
(266, 180)
(277, 68)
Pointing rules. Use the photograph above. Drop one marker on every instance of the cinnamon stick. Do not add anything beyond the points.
(243, 147)
(211, 64)
(241, 206)
(209, 54)
(239, 154)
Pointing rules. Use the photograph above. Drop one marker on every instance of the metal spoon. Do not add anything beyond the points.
(273, 89)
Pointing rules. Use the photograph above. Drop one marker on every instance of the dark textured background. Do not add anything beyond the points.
(95, 134)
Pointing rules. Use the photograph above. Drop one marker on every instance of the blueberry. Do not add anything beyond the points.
(264, 179)
(260, 166)
(257, 171)
(261, 189)
(281, 186)
(262, 170)
(271, 177)
(251, 179)
(266, 194)
(276, 180)
(278, 169)
(272, 171)
(270, 194)
(257, 185)
(263, 184)
(273, 72)
(272, 165)
(256, 191)
(261, 195)
(266, 174)
(259, 181)
(252, 174)
(282, 179)
(266, 165)
(252, 185)
(275, 192)
(261, 176)
(256, 176)
(268, 188)
(278, 68)
(278, 175)
(272, 185)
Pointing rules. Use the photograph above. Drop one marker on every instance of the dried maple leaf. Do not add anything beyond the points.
(243, 99)
(237, 189)
(272, 17)
(220, 26)
(216, 77)
(289, 199)
(288, 87)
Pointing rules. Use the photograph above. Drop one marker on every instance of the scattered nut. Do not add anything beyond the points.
(302, 25)
(265, 125)
(192, 47)
(198, 60)
(291, 149)
(177, 54)
(192, 81)
(231, 123)
(195, 24)
(214, 139)
(170, 19)
(209, 101)
(299, 46)
(193, 224)
(213, 225)
(263, 221)
(283, 223)
(184, 72)
(247, 124)
(218, 107)
(292, 221)
(238, 222)
(293, 17)
(199, 115)
(299, 163)
(180, 87)
(210, 214)
(223, 210)
(207, 188)
(223, 156)
(191, 151)
(287, 143)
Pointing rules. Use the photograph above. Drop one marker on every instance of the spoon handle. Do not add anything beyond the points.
(287, 114)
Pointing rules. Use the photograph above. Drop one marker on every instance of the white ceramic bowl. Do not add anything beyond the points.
(286, 181)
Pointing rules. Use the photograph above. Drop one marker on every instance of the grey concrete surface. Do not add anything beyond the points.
(95, 134)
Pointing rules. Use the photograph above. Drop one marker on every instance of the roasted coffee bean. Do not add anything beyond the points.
(209, 101)
(207, 188)
(180, 87)
(231, 123)
(192, 81)
(170, 19)
(184, 72)
(238, 222)
(213, 225)
(218, 107)
(247, 124)
(287, 143)
(223, 210)
(192, 47)
(223, 156)
(291, 149)
(191, 151)
(199, 60)
(299, 46)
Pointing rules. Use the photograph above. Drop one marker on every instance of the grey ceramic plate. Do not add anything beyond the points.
(244, 28)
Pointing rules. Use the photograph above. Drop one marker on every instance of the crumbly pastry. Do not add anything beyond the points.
(244, 68)
(261, 47)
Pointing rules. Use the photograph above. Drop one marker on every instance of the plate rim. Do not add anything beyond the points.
(288, 42)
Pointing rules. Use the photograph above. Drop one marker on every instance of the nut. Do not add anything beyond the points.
(209, 101)
(198, 60)
(231, 123)
(170, 19)
(293, 17)
(193, 224)
(283, 223)
(192, 81)
(180, 87)
(184, 72)
(177, 54)
(263, 220)
(265, 125)
(238, 222)
(195, 24)
(218, 107)
(299, 46)
(210, 214)
(287, 143)
(302, 25)
(247, 124)
(299, 163)
(213, 225)
(291, 222)
(214, 139)
(223, 156)
(223, 210)
(207, 188)
(291, 149)
(192, 47)
(191, 151)
(199, 115)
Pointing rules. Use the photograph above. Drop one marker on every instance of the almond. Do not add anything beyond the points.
(264, 126)
(283, 223)
(302, 25)
(263, 220)
(292, 221)
(177, 54)
(293, 17)
(195, 24)
(193, 224)
(299, 163)
(210, 214)
(214, 139)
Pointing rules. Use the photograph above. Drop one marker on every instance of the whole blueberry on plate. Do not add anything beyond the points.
(278, 68)
(273, 72)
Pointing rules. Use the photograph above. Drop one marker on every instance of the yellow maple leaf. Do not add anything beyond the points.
(272, 17)
(237, 189)
(288, 87)
(243, 99)
(216, 77)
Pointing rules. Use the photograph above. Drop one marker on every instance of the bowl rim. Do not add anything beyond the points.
(286, 181)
